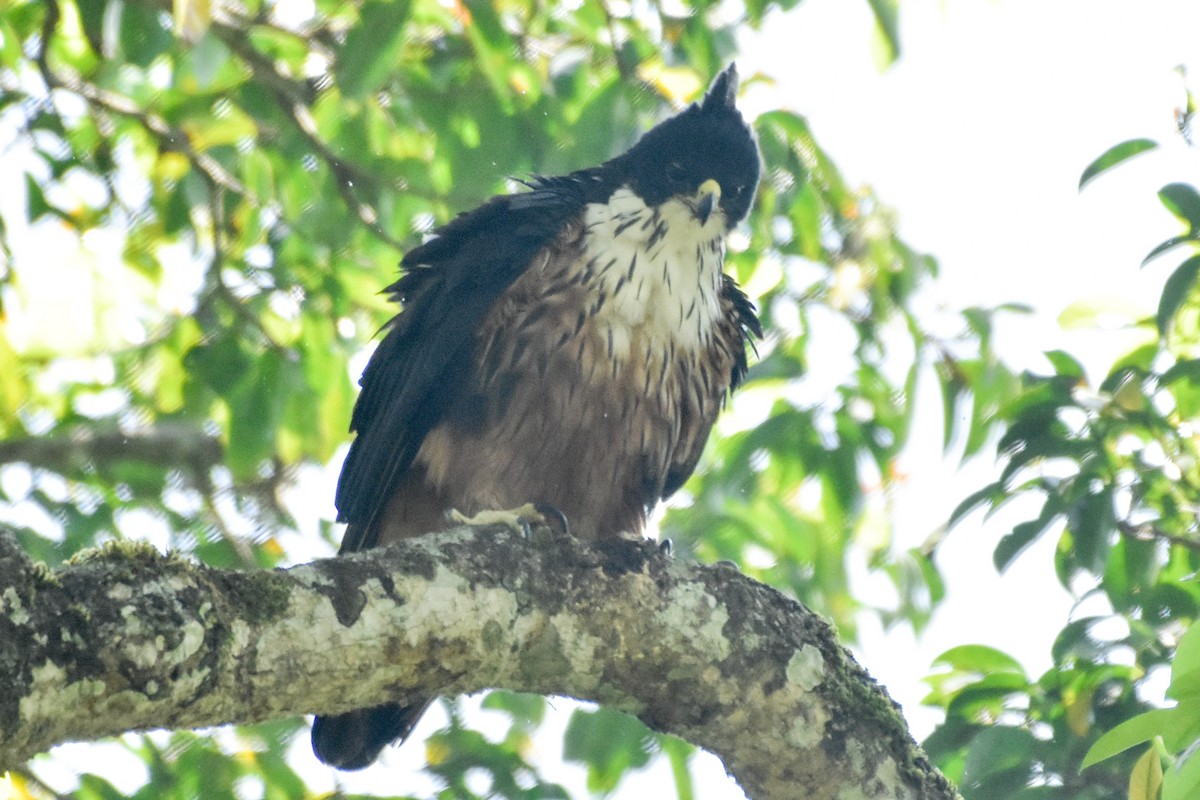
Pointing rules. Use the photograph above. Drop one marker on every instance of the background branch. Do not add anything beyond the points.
(166, 445)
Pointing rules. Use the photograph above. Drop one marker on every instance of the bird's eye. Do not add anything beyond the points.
(676, 172)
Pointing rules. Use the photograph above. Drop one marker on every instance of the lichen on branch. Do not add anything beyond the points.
(125, 638)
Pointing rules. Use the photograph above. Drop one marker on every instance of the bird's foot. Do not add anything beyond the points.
(518, 520)
(552, 513)
(666, 547)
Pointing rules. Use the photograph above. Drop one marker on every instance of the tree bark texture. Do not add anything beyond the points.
(125, 638)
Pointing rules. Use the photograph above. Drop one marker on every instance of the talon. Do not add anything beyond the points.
(518, 520)
(549, 512)
(666, 547)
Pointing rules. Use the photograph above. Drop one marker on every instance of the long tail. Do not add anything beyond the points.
(355, 739)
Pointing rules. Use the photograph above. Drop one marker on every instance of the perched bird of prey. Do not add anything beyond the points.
(567, 346)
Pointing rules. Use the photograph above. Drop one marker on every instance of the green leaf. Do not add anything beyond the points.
(1136, 363)
(221, 363)
(1185, 668)
(1091, 520)
(1076, 641)
(979, 658)
(887, 28)
(522, 707)
(93, 787)
(1023, 534)
(998, 751)
(987, 697)
(91, 16)
(206, 58)
(143, 35)
(372, 48)
(1182, 728)
(609, 743)
(1175, 291)
(1185, 369)
(1129, 733)
(1113, 156)
(35, 203)
(679, 754)
(1183, 782)
(1169, 244)
(1064, 363)
(10, 51)
(806, 215)
(1182, 200)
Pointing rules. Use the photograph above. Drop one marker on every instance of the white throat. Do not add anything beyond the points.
(659, 271)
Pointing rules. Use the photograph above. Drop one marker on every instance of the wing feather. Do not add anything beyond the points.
(425, 361)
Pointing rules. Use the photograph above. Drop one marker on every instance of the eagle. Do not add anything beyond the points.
(565, 348)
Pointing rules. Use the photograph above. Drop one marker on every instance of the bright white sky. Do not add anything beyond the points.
(976, 138)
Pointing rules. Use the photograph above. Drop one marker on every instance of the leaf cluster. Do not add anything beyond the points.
(1112, 468)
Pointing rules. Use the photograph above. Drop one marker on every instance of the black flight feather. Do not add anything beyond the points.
(424, 361)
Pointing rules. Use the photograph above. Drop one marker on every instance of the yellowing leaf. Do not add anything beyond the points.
(171, 165)
(1108, 312)
(678, 84)
(1079, 711)
(1147, 776)
(192, 18)
(436, 751)
(231, 128)
(1129, 396)
(12, 787)
(461, 12)
(14, 383)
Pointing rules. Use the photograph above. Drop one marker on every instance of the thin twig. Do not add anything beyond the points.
(294, 101)
(166, 445)
(169, 137)
(41, 787)
(610, 23)
(1149, 533)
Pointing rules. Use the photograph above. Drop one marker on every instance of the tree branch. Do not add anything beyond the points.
(166, 445)
(169, 138)
(129, 639)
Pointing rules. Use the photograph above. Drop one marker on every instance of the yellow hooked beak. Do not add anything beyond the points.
(707, 197)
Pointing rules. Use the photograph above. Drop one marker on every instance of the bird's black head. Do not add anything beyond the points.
(707, 141)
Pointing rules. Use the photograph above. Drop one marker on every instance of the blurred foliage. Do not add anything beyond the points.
(215, 193)
(1115, 468)
(227, 188)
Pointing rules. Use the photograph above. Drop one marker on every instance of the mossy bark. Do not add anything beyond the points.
(128, 639)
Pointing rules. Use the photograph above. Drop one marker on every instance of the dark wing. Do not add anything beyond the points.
(424, 362)
(739, 329)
